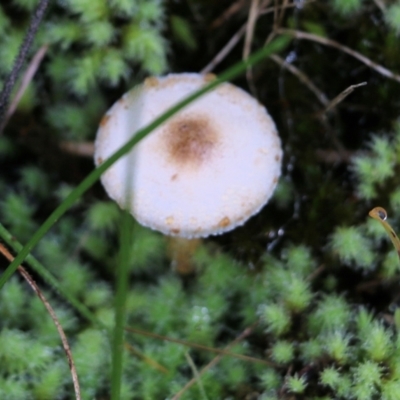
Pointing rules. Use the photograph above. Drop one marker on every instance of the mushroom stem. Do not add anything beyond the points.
(180, 252)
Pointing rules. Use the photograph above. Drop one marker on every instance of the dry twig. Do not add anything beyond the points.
(233, 41)
(264, 11)
(328, 42)
(27, 78)
(213, 362)
(380, 4)
(36, 19)
(84, 149)
(302, 78)
(53, 315)
(228, 13)
(341, 96)
(222, 352)
(237, 36)
(250, 26)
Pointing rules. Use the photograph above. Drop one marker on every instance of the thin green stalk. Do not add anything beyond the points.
(50, 279)
(276, 45)
(120, 305)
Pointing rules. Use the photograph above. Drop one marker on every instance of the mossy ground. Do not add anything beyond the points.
(311, 279)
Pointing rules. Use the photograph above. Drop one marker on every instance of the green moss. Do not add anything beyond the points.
(17, 213)
(299, 260)
(270, 379)
(282, 352)
(296, 384)
(276, 318)
(352, 247)
(338, 346)
(378, 342)
(281, 283)
(347, 7)
(332, 313)
(392, 16)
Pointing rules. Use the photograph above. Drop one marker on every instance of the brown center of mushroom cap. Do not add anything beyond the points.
(190, 140)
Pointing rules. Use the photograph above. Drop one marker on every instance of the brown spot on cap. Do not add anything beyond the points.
(224, 222)
(104, 120)
(99, 161)
(190, 140)
(276, 179)
(151, 82)
(175, 231)
(277, 157)
(174, 177)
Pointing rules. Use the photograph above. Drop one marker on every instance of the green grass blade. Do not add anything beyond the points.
(50, 279)
(276, 45)
(122, 273)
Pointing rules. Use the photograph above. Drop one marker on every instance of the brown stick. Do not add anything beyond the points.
(380, 4)
(302, 78)
(328, 42)
(228, 13)
(236, 38)
(27, 78)
(53, 315)
(84, 149)
(223, 352)
(341, 96)
(213, 362)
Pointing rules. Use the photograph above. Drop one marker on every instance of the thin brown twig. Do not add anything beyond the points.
(53, 316)
(213, 362)
(381, 5)
(315, 273)
(341, 96)
(36, 20)
(272, 9)
(334, 156)
(328, 42)
(248, 39)
(234, 40)
(228, 13)
(250, 26)
(223, 352)
(27, 78)
(148, 360)
(302, 78)
(343, 153)
(84, 149)
(281, 14)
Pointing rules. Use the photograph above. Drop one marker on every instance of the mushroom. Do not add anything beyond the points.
(204, 171)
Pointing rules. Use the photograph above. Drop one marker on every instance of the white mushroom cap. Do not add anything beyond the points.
(204, 171)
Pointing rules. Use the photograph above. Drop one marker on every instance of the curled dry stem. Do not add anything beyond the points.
(328, 42)
(222, 352)
(26, 80)
(341, 96)
(303, 78)
(53, 316)
(26, 45)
